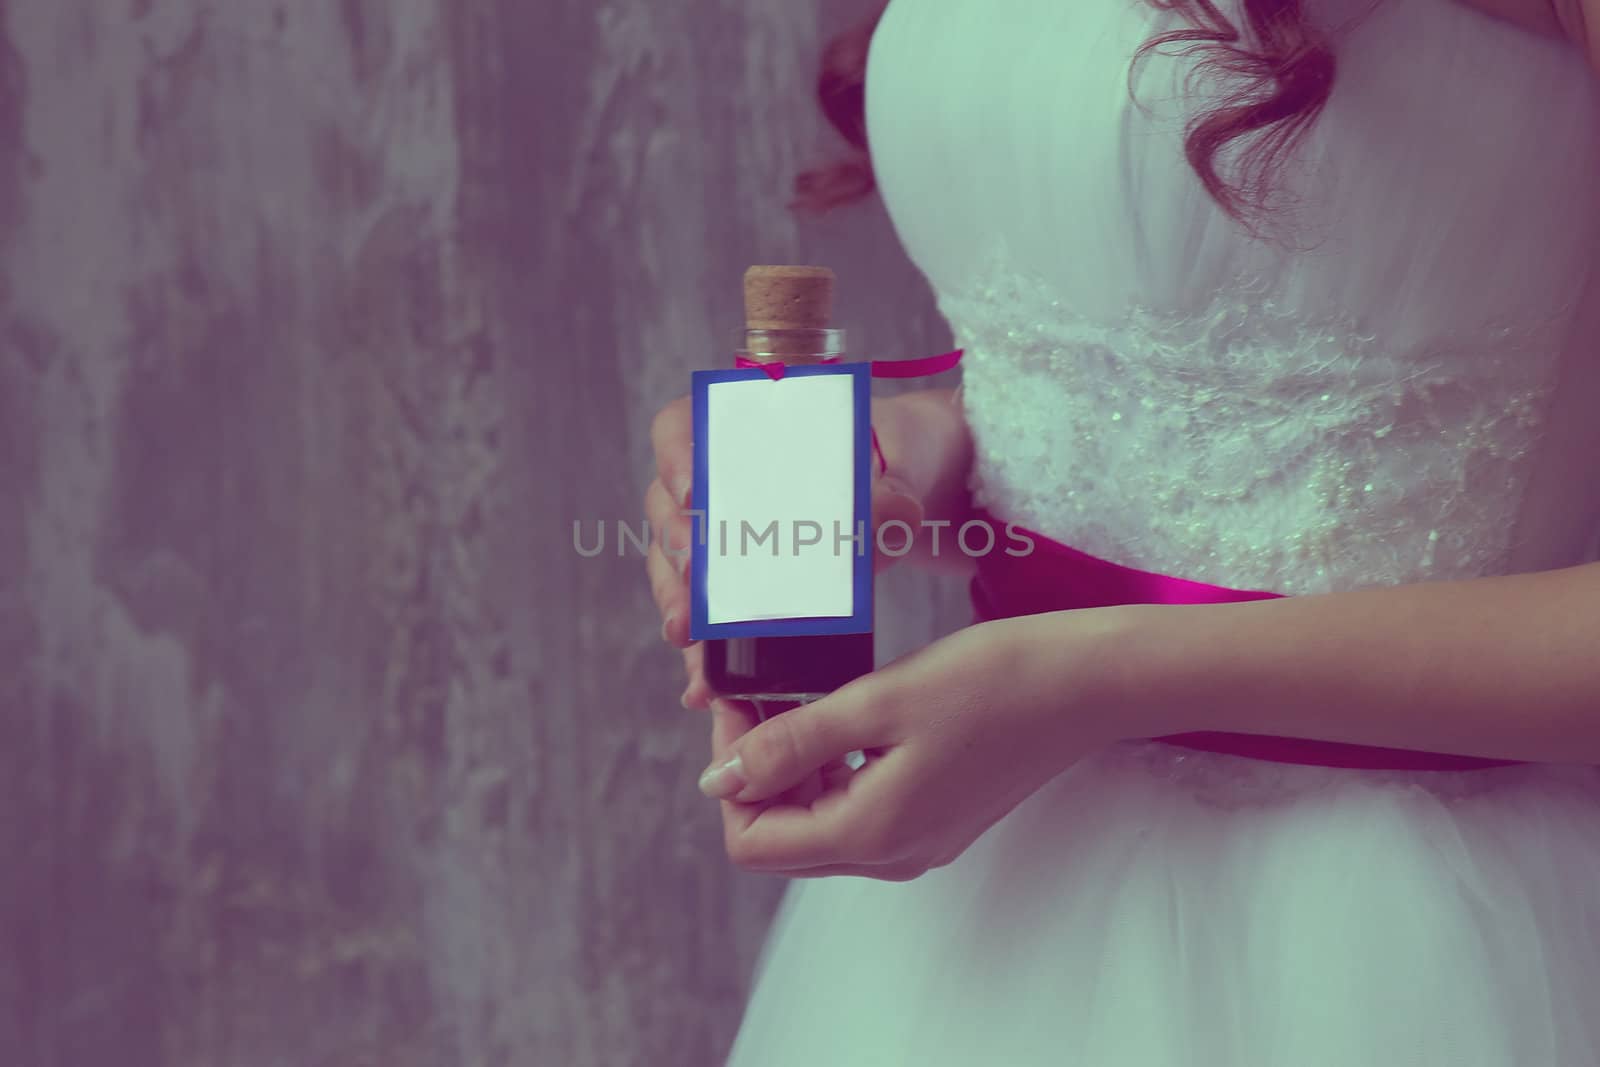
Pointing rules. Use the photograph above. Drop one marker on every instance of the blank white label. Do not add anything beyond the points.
(780, 452)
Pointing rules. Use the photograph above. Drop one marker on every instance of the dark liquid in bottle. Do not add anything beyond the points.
(786, 668)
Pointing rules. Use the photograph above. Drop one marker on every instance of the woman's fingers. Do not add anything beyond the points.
(666, 563)
(832, 831)
(672, 435)
(897, 509)
(896, 520)
(671, 597)
(730, 720)
(672, 601)
(815, 829)
(787, 750)
(671, 525)
(697, 695)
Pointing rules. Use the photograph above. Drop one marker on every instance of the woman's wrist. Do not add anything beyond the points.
(1501, 667)
(1090, 677)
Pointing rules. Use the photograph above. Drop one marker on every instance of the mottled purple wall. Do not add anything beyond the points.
(319, 323)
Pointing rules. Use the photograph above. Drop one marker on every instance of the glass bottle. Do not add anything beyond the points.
(788, 311)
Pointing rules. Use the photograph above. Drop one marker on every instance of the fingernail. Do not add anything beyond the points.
(666, 628)
(684, 701)
(680, 493)
(721, 781)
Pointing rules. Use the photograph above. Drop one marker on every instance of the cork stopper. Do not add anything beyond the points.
(788, 298)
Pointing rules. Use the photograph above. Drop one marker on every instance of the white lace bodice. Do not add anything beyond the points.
(1405, 397)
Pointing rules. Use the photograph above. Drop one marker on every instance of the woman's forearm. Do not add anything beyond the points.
(929, 450)
(1497, 667)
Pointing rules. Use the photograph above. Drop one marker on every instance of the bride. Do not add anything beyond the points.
(1282, 321)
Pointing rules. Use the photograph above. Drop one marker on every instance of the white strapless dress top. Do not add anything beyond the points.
(1406, 394)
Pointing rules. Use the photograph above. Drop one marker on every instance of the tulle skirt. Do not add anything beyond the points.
(1156, 907)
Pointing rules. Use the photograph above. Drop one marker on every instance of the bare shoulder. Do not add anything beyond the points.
(1576, 20)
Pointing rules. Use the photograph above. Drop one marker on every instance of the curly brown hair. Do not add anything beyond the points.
(1277, 68)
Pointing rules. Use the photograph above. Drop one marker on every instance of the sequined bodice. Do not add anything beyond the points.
(1247, 448)
(1389, 401)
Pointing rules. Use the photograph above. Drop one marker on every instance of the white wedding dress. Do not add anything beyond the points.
(1409, 397)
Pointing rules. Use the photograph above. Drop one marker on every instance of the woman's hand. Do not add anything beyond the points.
(956, 735)
(921, 473)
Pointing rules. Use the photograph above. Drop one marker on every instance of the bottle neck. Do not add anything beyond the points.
(791, 346)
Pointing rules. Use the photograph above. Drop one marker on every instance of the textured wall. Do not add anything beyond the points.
(320, 321)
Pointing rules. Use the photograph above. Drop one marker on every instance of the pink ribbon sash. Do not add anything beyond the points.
(1055, 577)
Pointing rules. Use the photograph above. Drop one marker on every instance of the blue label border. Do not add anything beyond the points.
(861, 620)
